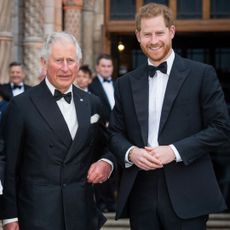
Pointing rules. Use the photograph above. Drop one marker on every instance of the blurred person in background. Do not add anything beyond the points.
(84, 78)
(103, 87)
(16, 84)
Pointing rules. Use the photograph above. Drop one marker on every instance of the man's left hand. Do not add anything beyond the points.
(99, 172)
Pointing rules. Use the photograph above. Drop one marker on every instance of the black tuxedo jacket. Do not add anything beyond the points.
(7, 88)
(194, 119)
(96, 88)
(45, 183)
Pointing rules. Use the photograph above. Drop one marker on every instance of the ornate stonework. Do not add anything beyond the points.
(72, 16)
(5, 38)
(88, 32)
(33, 37)
(25, 23)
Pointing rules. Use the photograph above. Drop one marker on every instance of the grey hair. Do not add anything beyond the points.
(60, 36)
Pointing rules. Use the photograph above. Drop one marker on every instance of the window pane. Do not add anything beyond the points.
(189, 9)
(165, 2)
(222, 65)
(223, 59)
(220, 9)
(122, 9)
(197, 54)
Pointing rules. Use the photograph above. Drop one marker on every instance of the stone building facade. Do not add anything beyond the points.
(25, 23)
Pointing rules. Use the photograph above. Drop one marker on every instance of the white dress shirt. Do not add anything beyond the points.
(157, 87)
(17, 91)
(109, 90)
(1, 188)
(68, 110)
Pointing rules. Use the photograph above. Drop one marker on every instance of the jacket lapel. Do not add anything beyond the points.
(48, 108)
(177, 76)
(82, 106)
(140, 90)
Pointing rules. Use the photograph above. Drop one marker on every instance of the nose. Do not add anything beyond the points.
(65, 66)
(154, 39)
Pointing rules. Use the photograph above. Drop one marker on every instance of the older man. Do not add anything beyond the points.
(48, 174)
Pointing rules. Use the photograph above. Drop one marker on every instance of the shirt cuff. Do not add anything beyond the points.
(178, 157)
(109, 162)
(1, 188)
(8, 221)
(127, 162)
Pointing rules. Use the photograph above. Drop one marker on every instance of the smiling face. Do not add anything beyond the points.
(16, 74)
(155, 38)
(62, 65)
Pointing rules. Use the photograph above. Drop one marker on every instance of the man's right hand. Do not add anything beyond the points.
(11, 226)
(143, 159)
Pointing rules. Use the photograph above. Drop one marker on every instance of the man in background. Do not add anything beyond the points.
(16, 83)
(84, 78)
(103, 87)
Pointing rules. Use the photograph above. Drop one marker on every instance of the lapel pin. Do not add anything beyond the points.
(81, 99)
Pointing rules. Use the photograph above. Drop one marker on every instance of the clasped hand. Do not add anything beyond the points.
(150, 158)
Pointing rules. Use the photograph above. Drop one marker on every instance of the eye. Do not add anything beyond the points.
(59, 61)
(147, 35)
(70, 61)
(160, 33)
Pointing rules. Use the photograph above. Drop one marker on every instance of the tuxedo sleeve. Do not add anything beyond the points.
(119, 144)
(215, 130)
(13, 136)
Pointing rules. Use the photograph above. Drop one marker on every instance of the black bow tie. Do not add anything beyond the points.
(58, 95)
(152, 69)
(107, 80)
(17, 86)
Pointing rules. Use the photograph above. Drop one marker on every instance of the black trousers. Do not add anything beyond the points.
(150, 207)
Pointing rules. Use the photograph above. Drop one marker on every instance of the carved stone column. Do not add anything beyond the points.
(52, 16)
(5, 39)
(88, 32)
(98, 29)
(58, 15)
(72, 16)
(33, 37)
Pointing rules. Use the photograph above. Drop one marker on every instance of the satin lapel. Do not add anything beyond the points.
(48, 108)
(177, 76)
(82, 106)
(140, 90)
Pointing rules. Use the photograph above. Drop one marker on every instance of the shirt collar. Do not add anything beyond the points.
(52, 88)
(169, 61)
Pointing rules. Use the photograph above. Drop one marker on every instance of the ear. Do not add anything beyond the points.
(137, 35)
(172, 31)
(44, 66)
(43, 63)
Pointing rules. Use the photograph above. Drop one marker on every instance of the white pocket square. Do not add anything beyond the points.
(94, 118)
